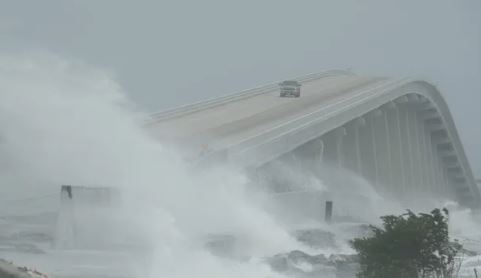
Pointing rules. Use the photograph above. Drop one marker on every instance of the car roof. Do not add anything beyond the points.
(290, 83)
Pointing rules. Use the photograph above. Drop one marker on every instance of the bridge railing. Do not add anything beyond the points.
(326, 111)
(205, 104)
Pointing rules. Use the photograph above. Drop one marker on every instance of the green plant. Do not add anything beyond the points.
(408, 246)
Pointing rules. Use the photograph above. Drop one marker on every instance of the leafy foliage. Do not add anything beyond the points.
(408, 246)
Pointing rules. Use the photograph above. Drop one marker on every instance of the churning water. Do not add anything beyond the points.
(63, 122)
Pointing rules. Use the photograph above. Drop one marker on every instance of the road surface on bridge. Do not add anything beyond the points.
(228, 124)
(251, 128)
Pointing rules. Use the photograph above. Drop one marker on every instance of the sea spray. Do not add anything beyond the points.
(66, 123)
(63, 122)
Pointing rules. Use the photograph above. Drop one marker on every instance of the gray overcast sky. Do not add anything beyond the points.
(167, 53)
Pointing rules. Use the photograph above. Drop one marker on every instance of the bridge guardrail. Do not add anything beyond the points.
(295, 124)
(205, 104)
(359, 104)
(285, 135)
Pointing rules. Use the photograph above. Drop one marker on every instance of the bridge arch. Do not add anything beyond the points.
(399, 134)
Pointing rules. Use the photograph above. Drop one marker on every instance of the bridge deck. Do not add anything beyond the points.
(254, 127)
(227, 124)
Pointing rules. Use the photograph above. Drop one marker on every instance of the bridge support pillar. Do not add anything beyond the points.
(440, 174)
(430, 159)
(309, 155)
(428, 116)
(395, 127)
(406, 134)
(415, 140)
(424, 155)
(393, 148)
(333, 143)
(351, 158)
(381, 143)
(367, 150)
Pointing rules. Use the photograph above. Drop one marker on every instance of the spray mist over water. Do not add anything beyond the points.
(66, 123)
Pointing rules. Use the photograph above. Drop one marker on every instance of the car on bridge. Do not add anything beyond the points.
(290, 88)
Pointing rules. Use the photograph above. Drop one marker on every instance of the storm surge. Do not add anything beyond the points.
(65, 123)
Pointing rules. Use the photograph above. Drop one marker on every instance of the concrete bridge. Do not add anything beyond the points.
(396, 133)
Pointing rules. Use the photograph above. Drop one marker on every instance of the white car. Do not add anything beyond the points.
(290, 88)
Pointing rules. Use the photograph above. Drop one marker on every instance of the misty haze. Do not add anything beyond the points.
(240, 138)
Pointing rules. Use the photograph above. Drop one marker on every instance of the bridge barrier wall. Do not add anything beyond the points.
(206, 104)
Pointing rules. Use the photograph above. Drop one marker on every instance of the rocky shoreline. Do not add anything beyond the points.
(9, 270)
(302, 265)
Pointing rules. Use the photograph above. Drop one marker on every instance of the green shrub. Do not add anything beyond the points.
(408, 246)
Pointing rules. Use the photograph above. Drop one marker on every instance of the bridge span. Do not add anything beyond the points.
(396, 133)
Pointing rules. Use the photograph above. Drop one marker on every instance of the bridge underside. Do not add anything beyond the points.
(397, 134)
(401, 148)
